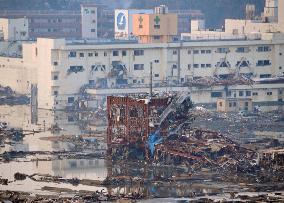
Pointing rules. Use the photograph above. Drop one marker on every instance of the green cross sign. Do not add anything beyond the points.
(157, 20)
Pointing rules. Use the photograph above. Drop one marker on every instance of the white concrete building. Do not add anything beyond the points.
(123, 22)
(89, 21)
(14, 29)
(271, 21)
(63, 68)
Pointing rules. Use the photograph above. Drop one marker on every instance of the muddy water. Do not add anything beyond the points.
(19, 117)
(89, 169)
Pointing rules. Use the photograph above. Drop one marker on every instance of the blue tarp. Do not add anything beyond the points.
(153, 140)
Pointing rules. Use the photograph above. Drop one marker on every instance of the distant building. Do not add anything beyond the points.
(160, 27)
(185, 17)
(234, 104)
(14, 29)
(62, 23)
(89, 20)
(272, 21)
(124, 22)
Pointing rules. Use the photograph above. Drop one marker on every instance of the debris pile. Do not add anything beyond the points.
(204, 149)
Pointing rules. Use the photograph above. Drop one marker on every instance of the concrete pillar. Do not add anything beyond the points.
(281, 15)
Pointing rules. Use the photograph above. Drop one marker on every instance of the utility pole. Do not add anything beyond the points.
(151, 79)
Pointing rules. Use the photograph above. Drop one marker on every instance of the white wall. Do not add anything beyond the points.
(89, 22)
(14, 29)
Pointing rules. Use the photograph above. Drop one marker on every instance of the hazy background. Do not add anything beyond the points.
(215, 11)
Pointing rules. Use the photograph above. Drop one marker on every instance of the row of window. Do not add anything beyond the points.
(141, 52)
(208, 65)
(227, 50)
(241, 94)
(73, 54)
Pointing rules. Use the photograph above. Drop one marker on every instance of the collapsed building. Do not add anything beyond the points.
(135, 123)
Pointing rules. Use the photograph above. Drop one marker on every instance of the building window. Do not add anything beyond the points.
(123, 53)
(223, 64)
(157, 61)
(234, 104)
(230, 104)
(138, 52)
(157, 75)
(115, 53)
(242, 64)
(93, 30)
(246, 104)
(75, 69)
(255, 94)
(216, 94)
(189, 52)
(189, 66)
(71, 100)
(241, 93)
(138, 66)
(55, 93)
(203, 65)
(265, 75)
(81, 54)
(263, 49)
(220, 104)
(157, 26)
(195, 51)
(248, 93)
(157, 37)
(174, 52)
(72, 54)
(203, 51)
(96, 54)
(280, 67)
(174, 66)
(263, 63)
(228, 93)
(269, 93)
(195, 65)
(55, 77)
(90, 54)
(208, 65)
(105, 53)
(55, 63)
(208, 51)
(91, 82)
(93, 11)
(242, 50)
(223, 50)
(98, 68)
(142, 81)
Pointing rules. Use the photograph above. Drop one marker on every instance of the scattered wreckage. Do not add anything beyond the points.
(158, 129)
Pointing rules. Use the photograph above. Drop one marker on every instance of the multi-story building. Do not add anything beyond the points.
(185, 17)
(124, 22)
(70, 66)
(14, 29)
(61, 23)
(64, 69)
(159, 27)
(89, 21)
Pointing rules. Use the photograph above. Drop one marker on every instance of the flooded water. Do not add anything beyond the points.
(46, 162)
